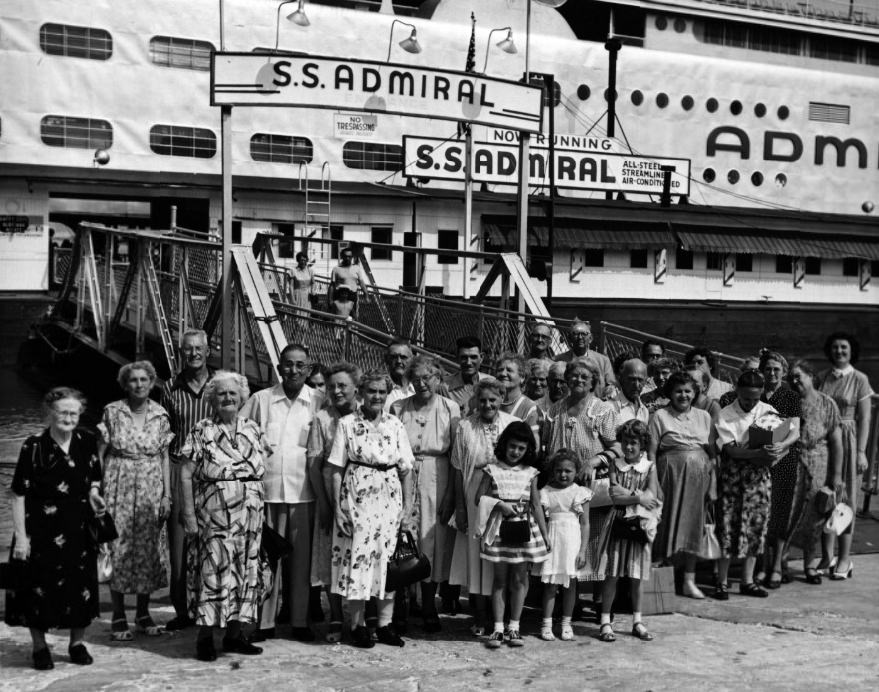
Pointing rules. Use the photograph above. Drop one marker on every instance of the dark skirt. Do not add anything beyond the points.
(685, 479)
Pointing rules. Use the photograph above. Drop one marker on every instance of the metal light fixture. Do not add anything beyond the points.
(410, 45)
(298, 17)
(101, 157)
(506, 45)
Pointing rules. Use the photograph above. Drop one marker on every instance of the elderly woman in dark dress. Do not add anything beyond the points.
(851, 391)
(788, 477)
(56, 488)
(223, 518)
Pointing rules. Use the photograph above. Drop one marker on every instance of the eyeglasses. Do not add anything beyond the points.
(298, 365)
(540, 337)
(423, 379)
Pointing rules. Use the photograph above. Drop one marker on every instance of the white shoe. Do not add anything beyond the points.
(567, 633)
(547, 635)
(692, 591)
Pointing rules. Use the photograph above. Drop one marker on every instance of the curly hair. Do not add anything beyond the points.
(575, 365)
(517, 432)
(513, 357)
(488, 383)
(766, 356)
(843, 336)
(703, 351)
(635, 430)
(126, 370)
(424, 362)
(676, 379)
(353, 371)
(804, 365)
(376, 375)
(57, 394)
(564, 454)
(220, 376)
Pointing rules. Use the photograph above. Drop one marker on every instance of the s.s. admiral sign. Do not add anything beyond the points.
(253, 79)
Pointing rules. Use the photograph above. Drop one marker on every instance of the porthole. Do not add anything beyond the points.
(607, 95)
(733, 177)
(687, 103)
(661, 23)
(637, 97)
(735, 107)
(781, 180)
(711, 105)
(708, 175)
(783, 112)
(760, 110)
(680, 25)
(583, 92)
(756, 178)
(662, 100)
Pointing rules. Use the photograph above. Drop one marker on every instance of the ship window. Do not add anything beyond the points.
(662, 100)
(756, 178)
(744, 263)
(784, 264)
(447, 240)
(733, 176)
(181, 52)
(687, 103)
(760, 110)
(280, 148)
(683, 259)
(76, 41)
(711, 105)
(637, 97)
(79, 133)
(638, 258)
(831, 48)
(174, 140)
(714, 261)
(286, 245)
(813, 265)
(708, 175)
(661, 23)
(850, 266)
(381, 234)
(593, 257)
(372, 157)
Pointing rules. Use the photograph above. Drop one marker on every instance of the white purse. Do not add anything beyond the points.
(840, 519)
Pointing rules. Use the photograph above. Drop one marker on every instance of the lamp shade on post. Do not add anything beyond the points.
(410, 44)
(506, 45)
(297, 16)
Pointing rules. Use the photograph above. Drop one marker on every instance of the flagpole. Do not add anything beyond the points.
(468, 174)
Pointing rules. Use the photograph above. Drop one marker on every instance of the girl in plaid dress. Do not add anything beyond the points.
(509, 490)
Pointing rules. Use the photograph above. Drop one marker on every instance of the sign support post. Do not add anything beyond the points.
(228, 312)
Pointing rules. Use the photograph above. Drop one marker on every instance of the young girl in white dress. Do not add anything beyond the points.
(567, 511)
(509, 492)
(633, 481)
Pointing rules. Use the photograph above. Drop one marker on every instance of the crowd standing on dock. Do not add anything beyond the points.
(551, 473)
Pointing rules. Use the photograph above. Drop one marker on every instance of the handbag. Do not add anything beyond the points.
(628, 529)
(710, 548)
(407, 565)
(105, 564)
(273, 546)
(516, 530)
(600, 488)
(14, 575)
(101, 529)
(839, 520)
(825, 500)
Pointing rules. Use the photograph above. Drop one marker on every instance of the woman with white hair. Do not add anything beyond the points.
(135, 436)
(223, 518)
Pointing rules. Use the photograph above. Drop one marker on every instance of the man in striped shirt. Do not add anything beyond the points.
(183, 399)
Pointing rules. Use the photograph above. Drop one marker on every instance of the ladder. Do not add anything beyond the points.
(377, 298)
(318, 200)
(155, 297)
(93, 284)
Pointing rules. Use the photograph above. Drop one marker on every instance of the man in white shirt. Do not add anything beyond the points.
(397, 358)
(284, 412)
(632, 377)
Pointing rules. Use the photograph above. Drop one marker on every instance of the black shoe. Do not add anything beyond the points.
(43, 659)
(386, 635)
(432, 623)
(80, 655)
(302, 634)
(721, 592)
(401, 625)
(178, 623)
(204, 649)
(283, 617)
(240, 645)
(753, 590)
(315, 609)
(361, 639)
(812, 576)
(262, 635)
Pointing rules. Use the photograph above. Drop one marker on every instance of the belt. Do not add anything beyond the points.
(249, 479)
(377, 467)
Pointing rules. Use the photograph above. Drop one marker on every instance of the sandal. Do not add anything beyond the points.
(752, 590)
(772, 582)
(145, 625)
(120, 633)
(567, 633)
(334, 632)
(639, 629)
(605, 633)
(546, 634)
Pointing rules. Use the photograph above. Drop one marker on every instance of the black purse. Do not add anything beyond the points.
(102, 529)
(407, 565)
(628, 529)
(273, 546)
(516, 530)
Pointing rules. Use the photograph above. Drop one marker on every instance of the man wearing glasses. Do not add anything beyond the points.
(284, 412)
(539, 340)
(183, 400)
(581, 339)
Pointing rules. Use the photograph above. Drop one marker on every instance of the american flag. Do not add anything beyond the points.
(470, 66)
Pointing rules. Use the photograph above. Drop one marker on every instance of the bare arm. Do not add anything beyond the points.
(834, 467)
(537, 509)
(343, 525)
(862, 416)
(584, 536)
(760, 456)
(190, 524)
(22, 540)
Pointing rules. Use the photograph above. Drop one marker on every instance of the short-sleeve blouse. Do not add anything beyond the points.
(126, 439)
(820, 417)
(680, 431)
(568, 500)
(513, 483)
(322, 433)
(847, 390)
(220, 457)
(587, 434)
(732, 427)
(379, 442)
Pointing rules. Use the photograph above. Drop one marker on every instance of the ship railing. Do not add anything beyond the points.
(842, 11)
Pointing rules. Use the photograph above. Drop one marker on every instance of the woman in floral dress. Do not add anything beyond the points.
(55, 489)
(223, 517)
(475, 442)
(372, 449)
(821, 457)
(430, 421)
(851, 391)
(587, 426)
(745, 485)
(135, 436)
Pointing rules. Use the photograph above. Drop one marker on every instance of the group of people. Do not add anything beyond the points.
(550, 472)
